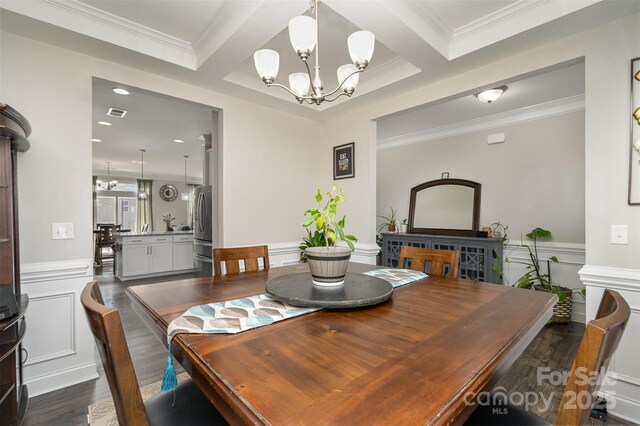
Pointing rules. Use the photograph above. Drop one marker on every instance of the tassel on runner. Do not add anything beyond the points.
(169, 381)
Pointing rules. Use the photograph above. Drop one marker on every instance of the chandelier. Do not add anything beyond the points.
(304, 36)
(110, 184)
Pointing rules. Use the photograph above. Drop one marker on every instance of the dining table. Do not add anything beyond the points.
(422, 357)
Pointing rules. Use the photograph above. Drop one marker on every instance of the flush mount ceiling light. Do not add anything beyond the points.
(96, 140)
(110, 184)
(490, 95)
(178, 141)
(104, 123)
(142, 194)
(303, 33)
(120, 91)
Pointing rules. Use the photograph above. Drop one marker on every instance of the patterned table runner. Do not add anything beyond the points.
(238, 315)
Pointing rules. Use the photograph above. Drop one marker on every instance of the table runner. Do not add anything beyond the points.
(238, 315)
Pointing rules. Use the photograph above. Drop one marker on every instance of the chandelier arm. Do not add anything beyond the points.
(289, 90)
(341, 94)
(342, 84)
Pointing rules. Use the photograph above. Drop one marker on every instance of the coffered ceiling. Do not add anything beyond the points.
(210, 43)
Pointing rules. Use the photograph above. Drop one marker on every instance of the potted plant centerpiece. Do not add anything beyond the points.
(534, 278)
(328, 263)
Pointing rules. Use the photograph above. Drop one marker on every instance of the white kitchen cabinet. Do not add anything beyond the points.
(160, 257)
(153, 255)
(135, 260)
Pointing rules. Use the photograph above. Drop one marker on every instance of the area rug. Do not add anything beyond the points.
(103, 413)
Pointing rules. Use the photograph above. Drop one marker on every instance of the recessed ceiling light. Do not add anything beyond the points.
(104, 123)
(120, 91)
(491, 95)
(96, 140)
(178, 141)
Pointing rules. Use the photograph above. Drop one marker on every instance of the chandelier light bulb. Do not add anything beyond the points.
(302, 33)
(351, 82)
(299, 83)
(267, 63)
(361, 45)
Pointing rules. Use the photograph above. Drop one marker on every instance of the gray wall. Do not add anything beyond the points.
(535, 178)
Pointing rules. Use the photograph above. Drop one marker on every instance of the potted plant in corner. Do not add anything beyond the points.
(534, 278)
(328, 264)
(389, 221)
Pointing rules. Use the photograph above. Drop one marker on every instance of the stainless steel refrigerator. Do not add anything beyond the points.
(202, 229)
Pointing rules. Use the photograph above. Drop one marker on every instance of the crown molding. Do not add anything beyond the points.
(507, 13)
(82, 18)
(520, 115)
(227, 21)
(513, 19)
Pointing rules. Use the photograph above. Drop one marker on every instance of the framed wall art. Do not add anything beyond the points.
(634, 149)
(343, 161)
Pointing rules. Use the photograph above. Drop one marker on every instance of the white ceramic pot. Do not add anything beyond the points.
(328, 265)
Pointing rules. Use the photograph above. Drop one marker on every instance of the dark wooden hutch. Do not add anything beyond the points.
(14, 130)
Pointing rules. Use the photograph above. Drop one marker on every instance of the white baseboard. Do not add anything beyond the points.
(58, 339)
(625, 408)
(61, 379)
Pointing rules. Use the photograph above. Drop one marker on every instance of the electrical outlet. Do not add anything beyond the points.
(62, 231)
(619, 234)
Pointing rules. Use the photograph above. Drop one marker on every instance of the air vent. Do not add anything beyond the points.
(115, 112)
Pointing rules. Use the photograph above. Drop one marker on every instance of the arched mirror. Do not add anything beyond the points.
(445, 206)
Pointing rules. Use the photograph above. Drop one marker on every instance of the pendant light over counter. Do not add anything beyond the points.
(142, 194)
(185, 194)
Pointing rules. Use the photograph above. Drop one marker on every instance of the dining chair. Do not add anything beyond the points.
(231, 257)
(437, 259)
(105, 240)
(599, 342)
(187, 406)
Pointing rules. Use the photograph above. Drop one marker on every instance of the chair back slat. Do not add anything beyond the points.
(437, 259)
(107, 330)
(231, 257)
(600, 340)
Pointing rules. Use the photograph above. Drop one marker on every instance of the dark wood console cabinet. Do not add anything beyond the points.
(14, 130)
(476, 254)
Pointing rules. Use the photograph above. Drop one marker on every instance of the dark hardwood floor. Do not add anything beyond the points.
(554, 347)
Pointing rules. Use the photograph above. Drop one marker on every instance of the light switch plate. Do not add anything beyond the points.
(62, 231)
(619, 234)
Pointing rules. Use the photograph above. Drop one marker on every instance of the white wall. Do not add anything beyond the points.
(535, 178)
(607, 51)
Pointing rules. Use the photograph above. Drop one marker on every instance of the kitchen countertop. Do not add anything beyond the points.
(148, 234)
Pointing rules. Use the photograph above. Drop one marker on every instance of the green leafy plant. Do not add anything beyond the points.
(389, 220)
(324, 218)
(315, 239)
(535, 277)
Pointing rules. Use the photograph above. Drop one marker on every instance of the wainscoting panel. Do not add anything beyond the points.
(54, 345)
(571, 257)
(622, 387)
(58, 339)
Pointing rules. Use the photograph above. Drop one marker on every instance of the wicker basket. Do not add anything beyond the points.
(561, 310)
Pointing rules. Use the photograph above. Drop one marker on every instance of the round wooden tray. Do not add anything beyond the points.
(358, 290)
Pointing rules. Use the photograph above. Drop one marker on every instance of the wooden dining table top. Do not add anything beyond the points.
(415, 359)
